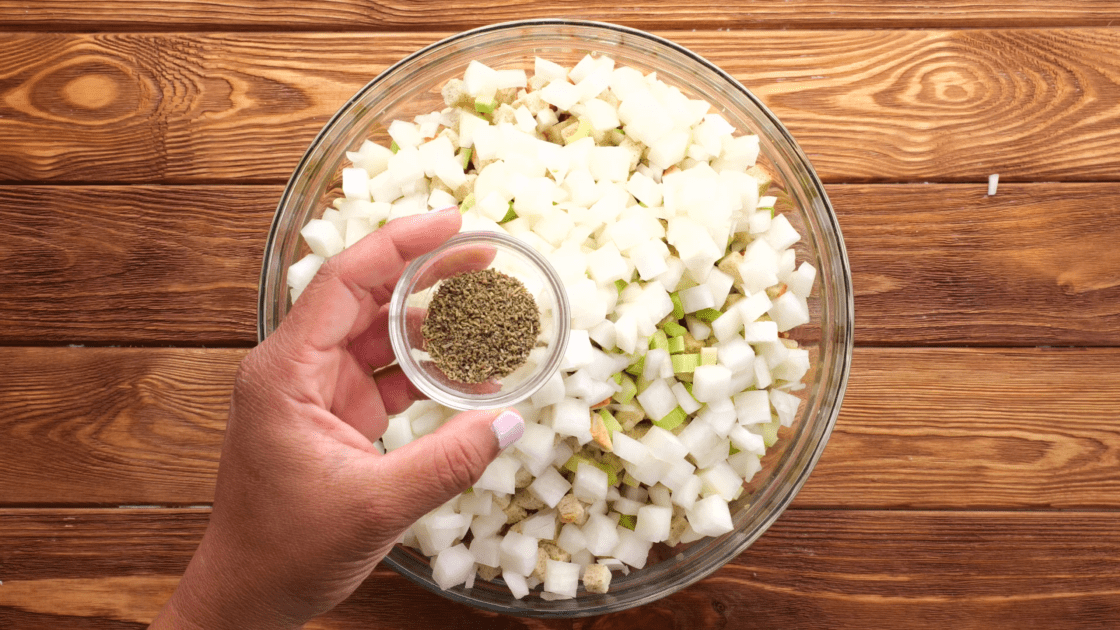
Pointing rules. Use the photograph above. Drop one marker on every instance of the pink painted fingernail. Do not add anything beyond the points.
(508, 427)
(446, 209)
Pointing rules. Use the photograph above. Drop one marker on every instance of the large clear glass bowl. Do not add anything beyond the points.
(412, 87)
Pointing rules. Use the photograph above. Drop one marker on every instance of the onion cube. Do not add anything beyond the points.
(663, 444)
(660, 495)
(794, 367)
(762, 378)
(548, 69)
(785, 405)
(631, 548)
(736, 354)
(518, 553)
(590, 483)
(672, 276)
(679, 472)
(657, 399)
(697, 298)
(397, 433)
(669, 150)
(487, 551)
(499, 476)
(752, 407)
(653, 523)
(322, 237)
(606, 265)
(800, 282)
(301, 273)
(630, 507)
(355, 183)
(516, 584)
(720, 415)
(541, 525)
(578, 353)
(550, 486)
(550, 393)
(710, 516)
(730, 323)
(688, 492)
(720, 285)
(710, 382)
(489, 524)
(788, 311)
(746, 465)
(561, 578)
(560, 93)
(536, 444)
(571, 538)
(747, 441)
(720, 479)
(752, 308)
(480, 503)
(650, 259)
(405, 134)
(781, 234)
(684, 399)
(572, 417)
(452, 566)
(760, 332)
(644, 189)
(601, 533)
(601, 115)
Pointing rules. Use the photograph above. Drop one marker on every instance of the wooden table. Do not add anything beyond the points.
(972, 481)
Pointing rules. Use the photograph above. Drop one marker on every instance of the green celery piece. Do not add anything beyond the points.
(678, 307)
(676, 345)
(628, 521)
(709, 355)
(673, 329)
(617, 378)
(687, 387)
(637, 366)
(673, 419)
(510, 215)
(770, 433)
(733, 449)
(685, 363)
(629, 480)
(394, 147)
(574, 461)
(609, 420)
(485, 107)
(469, 490)
(468, 203)
(707, 315)
(659, 341)
(643, 384)
(620, 285)
(467, 152)
(382, 222)
(629, 390)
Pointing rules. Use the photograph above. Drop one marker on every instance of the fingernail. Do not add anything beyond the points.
(508, 427)
(448, 208)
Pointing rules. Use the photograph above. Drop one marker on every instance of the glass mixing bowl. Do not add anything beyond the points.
(412, 87)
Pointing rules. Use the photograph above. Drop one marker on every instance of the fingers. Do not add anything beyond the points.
(365, 402)
(460, 260)
(344, 297)
(428, 472)
(396, 391)
(372, 348)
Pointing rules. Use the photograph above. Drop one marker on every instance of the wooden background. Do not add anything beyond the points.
(972, 481)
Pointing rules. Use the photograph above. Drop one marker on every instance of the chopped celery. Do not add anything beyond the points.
(485, 107)
(510, 215)
(707, 315)
(643, 383)
(628, 391)
(770, 433)
(609, 420)
(467, 152)
(629, 480)
(733, 449)
(469, 490)
(659, 341)
(709, 355)
(678, 306)
(637, 366)
(676, 345)
(687, 387)
(394, 147)
(673, 329)
(628, 521)
(574, 461)
(620, 285)
(468, 203)
(617, 378)
(685, 362)
(673, 419)
(382, 222)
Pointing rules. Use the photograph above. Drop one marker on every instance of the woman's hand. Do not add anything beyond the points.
(305, 506)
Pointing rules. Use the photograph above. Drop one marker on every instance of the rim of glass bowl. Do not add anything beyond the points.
(451, 398)
(837, 306)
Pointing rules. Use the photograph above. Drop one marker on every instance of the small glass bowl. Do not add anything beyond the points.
(475, 251)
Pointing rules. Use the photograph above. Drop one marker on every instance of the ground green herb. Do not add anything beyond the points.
(480, 325)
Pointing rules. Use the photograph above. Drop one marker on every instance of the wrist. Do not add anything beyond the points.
(211, 596)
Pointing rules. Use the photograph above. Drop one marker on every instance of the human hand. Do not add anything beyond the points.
(305, 506)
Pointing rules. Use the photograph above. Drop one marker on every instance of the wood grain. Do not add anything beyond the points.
(112, 425)
(931, 264)
(133, 264)
(920, 428)
(336, 15)
(867, 106)
(812, 569)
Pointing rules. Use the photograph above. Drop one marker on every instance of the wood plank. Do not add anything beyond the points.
(133, 264)
(812, 569)
(338, 15)
(865, 105)
(113, 425)
(920, 428)
(931, 264)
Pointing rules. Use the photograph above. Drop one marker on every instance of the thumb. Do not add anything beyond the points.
(430, 471)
